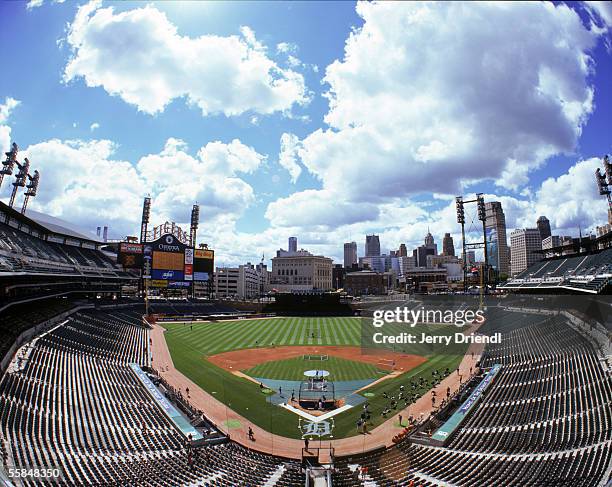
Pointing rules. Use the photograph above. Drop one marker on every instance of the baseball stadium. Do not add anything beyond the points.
(446, 320)
(101, 386)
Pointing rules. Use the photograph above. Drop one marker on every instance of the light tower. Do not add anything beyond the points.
(482, 216)
(195, 221)
(461, 221)
(604, 183)
(146, 214)
(20, 179)
(9, 163)
(31, 188)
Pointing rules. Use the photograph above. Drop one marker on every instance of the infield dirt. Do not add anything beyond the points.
(237, 360)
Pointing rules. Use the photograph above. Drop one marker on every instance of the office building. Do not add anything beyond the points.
(403, 251)
(543, 227)
(376, 263)
(497, 243)
(350, 254)
(293, 244)
(526, 248)
(551, 241)
(372, 245)
(448, 246)
(338, 275)
(368, 282)
(242, 282)
(429, 248)
(301, 271)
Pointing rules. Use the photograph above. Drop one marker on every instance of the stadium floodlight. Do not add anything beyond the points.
(460, 210)
(608, 168)
(195, 221)
(9, 163)
(20, 179)
(604, 185)
(146, 215)
(482, 214)
(31, 190)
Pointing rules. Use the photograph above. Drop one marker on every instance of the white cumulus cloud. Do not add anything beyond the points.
(140, 56)
(430, 96)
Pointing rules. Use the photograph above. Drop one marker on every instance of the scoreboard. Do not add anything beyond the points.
(167, 262)
(172, 261)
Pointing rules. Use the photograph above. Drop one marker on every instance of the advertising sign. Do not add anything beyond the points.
(177, 284)
(158, 283)
(167, 274)
(493, 247)
(201, 276)
(147, 257)
(204, 254)
(188, 272)
(130, 248)
(189, 256)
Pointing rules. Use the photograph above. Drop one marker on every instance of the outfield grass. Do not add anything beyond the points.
(293, 369)
(189, 348)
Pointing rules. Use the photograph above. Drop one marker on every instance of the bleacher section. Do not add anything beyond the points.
(74, 403)
(21, 317)
(545, 419)
(71, 400)
(23, 253)
(583, 274)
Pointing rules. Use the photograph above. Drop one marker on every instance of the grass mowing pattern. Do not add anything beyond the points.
(293, 369)
(189, 347)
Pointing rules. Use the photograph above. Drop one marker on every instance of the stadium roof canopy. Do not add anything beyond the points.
(49, 224)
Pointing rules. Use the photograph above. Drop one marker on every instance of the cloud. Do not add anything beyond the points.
(6, 109)
(32, 4)
(318, 208)
(84, 183)
(431, 96)
(286, 48)
(94, 126)
(572, 200)
(288, 157)
(140, 56)
(74, 183)
(603, 10)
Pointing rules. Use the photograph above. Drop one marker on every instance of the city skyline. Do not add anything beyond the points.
(305, 147)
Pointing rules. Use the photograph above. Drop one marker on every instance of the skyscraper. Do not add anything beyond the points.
(497, 243)
(293, 244)
(448, 246)
(526, 247)
(403, 251)
(372, 245)
(544, 227)
(429, 248)
(350, 254)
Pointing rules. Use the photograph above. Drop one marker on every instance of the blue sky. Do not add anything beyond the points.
(325, 120)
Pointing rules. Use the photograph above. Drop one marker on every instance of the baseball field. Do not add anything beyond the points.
(231, 360)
